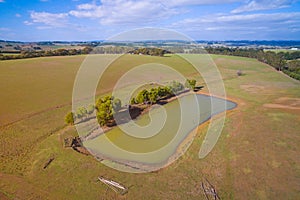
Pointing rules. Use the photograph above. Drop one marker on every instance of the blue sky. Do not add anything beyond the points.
(43, 20)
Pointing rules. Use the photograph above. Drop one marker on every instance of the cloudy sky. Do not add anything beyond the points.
(40, 20)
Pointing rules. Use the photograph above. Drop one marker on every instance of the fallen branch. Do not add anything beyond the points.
(48, 162)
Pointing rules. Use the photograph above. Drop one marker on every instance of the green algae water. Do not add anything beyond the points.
(154, 137)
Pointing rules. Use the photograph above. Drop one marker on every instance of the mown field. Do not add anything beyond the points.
(281, 50)
(256, 156)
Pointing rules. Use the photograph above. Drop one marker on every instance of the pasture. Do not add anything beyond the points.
(256, 156)
(282, 50)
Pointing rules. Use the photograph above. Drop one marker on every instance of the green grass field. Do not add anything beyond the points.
(281, 50)
(256, 156)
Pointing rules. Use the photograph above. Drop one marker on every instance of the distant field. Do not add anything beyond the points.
(256, 157)
(52, 47)
(281, 50)
(10, 54)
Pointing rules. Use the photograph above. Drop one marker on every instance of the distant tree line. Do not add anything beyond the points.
(38, 52)
(149, 51)
(251, 53)
(42, 53)
(280, 61)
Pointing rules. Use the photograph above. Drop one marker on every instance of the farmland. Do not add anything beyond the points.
(256, 156)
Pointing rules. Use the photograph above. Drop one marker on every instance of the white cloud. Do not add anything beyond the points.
(48, 19)
(197, 2)
(18, 15)
(256, 5)
(27, 23)
(142, 12)
(86, 6)
(1, 1)
(248, 19)
(43, 27)
(125, 12)
(259, 25)
(88, 11)
(4, 29)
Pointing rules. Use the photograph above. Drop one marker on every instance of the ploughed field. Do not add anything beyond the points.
(256, 156)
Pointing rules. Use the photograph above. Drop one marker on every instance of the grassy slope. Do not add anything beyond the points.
(31, 85)
(255, 157)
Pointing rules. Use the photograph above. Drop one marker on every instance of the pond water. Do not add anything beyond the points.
(153, 138)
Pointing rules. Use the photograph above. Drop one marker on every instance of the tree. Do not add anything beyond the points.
(176, 87)
(163, 91)
(90, 109)
(191, 84)
(117, 105)
(132, 101)
(294, 66)
(153, 95)
(81, 112)
(87, 50)
(106, 107)
(142, 96)
(149, 51)
(69, 118)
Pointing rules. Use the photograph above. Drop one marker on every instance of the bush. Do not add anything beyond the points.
(70, 118)
(191, 84)
(292, 74)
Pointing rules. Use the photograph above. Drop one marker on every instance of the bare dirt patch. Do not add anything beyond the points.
(3, 196)
(254, 89)
(285, 103)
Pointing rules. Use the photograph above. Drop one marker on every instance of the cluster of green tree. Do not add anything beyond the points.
(151, 96)
(81, 113)
(293, 69)
(106, 108)
(294, 75)
(150, 51)
(289, 55)
(154, 94)
(294, 65)
(56, 52)
(276, 60)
